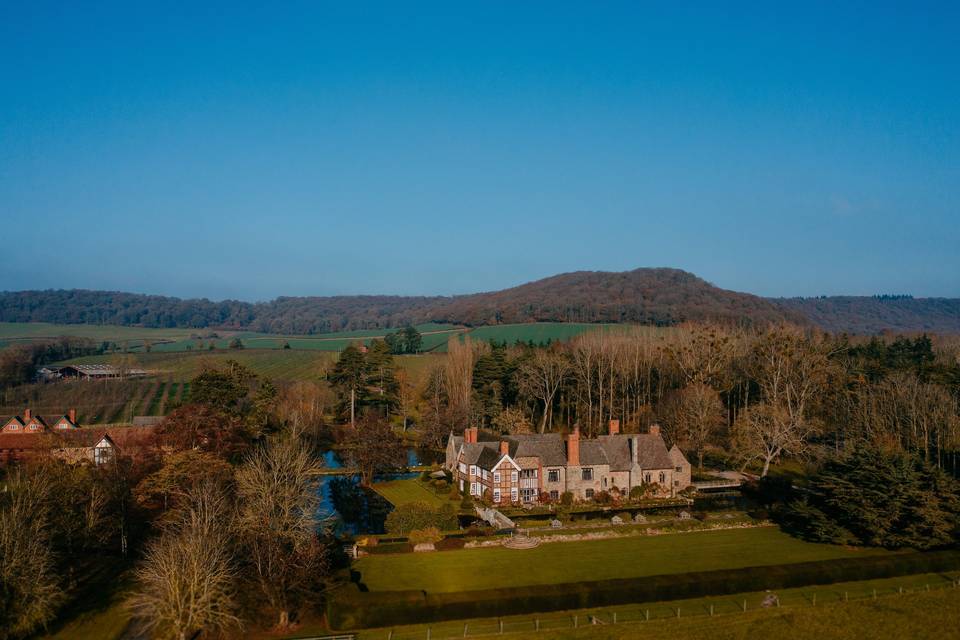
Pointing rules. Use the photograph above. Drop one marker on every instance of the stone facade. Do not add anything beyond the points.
(542, 467)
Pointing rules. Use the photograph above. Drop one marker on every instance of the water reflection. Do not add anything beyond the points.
(351, 509)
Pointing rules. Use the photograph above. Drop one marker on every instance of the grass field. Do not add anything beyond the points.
(903, 608)
(398, 492)
(470, 569)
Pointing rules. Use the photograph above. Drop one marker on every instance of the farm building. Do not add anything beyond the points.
(542, 467)
(31, 436)
(95, 372)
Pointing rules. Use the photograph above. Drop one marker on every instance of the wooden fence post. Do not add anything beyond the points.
(678, 612)
(501, 626)
(814, 599)
(574, 622)
(874, 594)
(464, 629)
(614, 617)
(390, 635)
(536, 624)
(711, 610)
(428, 633)
(744, 606)
(646, 614)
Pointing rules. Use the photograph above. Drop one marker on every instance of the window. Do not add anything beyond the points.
(679, 469)
(496, 495)
(647, 478)
(587, 473)
(588, 493)
(473, 469)
(461, 485)
(553, 475)
(514, 476)
(474, 489)
(102, 454)
(463, 468)
(513, 495)
(554, 495)
(676, 483)
(486, 474)
(663, 477)
(528, 495)
(604, 482)
(496, 477)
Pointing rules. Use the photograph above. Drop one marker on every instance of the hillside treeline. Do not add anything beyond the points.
(18, 363)
(873, 314)
(748, 396)
(646, 296)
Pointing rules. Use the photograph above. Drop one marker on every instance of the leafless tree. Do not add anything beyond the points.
(30, 591)
(278, 496)
(540, 377)
(458, 371)
(694, 417)
(187, 580)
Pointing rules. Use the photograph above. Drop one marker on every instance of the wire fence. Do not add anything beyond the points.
(643, 613)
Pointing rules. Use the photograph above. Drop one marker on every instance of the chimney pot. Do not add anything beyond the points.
(27, 414)
(614, 427)
(504, 448)
(654, 429)
(72, 415)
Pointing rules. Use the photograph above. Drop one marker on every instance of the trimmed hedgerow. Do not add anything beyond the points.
(349, 608)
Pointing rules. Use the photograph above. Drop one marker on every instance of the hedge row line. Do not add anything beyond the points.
(349, 608)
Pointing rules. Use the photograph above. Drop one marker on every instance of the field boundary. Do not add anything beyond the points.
(351, 608)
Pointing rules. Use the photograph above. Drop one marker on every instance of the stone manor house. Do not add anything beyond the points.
(533, 468)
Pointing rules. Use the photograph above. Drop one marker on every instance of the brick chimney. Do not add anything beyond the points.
(27, 414)
(654, 429)
(504, 448)
(72, 415)
(614, 427)
(470, 435)
(573, 447)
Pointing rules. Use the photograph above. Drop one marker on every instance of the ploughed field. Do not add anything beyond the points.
(629, 557)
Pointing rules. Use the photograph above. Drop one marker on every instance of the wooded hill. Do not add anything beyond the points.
(647, 296)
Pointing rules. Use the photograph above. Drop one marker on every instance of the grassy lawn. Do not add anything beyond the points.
(805, 614)
(470, 569)
(398, 492)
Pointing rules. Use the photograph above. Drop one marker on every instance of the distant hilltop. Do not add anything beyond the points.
(653, 296)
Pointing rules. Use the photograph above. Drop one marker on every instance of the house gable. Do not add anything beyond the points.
(13, 425)
(508, 459)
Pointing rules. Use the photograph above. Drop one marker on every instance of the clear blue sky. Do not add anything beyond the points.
(321, 148)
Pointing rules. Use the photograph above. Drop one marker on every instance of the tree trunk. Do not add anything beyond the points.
(284, 620)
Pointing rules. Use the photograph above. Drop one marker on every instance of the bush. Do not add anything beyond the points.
(420, 515)
(390, 547)
(454, 493)
(425, 536)
(450, 544)
(602, 497)
(349, 608)
(566, 498)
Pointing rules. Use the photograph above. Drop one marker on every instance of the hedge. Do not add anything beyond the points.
(349, 608)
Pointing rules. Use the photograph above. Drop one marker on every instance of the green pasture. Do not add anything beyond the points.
(27, 331)
(629, 557)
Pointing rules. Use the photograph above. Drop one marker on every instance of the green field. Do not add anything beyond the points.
(471, 569)
(903, 608)
(26, 331)
(398, 492)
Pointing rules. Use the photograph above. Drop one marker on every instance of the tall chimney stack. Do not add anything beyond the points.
(27, 414)
(72, 415)
(614, 427)
(470, 435)
(573, 447)
(504, 448)
(654, 429)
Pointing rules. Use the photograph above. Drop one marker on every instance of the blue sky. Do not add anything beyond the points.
(249, 151)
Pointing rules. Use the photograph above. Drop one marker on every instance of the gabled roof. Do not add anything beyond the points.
(677, 457)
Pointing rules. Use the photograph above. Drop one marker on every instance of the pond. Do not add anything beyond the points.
(351, 509)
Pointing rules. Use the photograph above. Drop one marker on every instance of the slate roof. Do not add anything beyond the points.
(122, 437)
(551, 449)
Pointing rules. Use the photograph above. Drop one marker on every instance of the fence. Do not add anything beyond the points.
(643, 613)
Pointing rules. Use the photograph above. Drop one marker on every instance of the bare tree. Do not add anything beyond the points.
(29, 591)
(278, 492)
(458, 372)
(540, 377)
(188, 575)
(694, 416)
(373, 447)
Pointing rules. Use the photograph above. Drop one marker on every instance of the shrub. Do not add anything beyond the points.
(454, 493)
(566, 498)
(602, 497)
(420, 515)
(425, 536)
(450, 544)
(390, 547)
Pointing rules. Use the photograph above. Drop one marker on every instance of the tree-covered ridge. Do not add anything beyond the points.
(873, 314)
(662, 297)
(647, 296)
